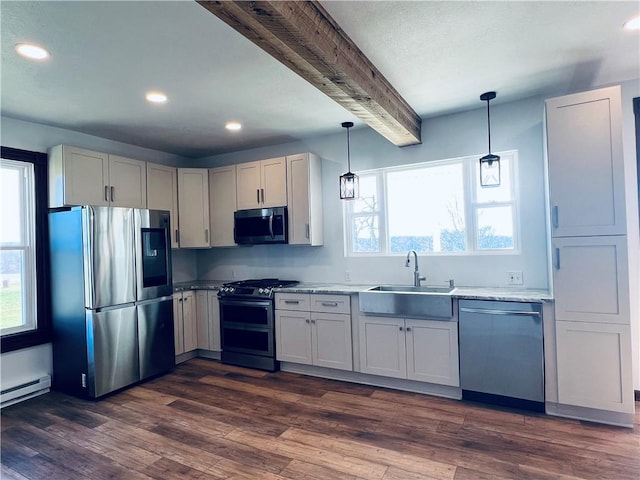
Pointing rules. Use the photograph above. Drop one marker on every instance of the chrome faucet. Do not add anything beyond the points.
(416, 273)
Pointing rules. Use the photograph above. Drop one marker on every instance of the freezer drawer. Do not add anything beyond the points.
(112, 350)
(155, 332)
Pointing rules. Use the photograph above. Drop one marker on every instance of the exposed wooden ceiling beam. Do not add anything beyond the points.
(304, 37)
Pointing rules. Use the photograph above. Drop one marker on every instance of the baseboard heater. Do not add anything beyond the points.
(25, 390)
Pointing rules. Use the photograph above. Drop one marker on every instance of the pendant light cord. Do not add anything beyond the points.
(348, 152)
(489, 124)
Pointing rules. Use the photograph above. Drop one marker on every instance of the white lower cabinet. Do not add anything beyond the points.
(321, 337)
(422, 350)
(208, 320)
(594, 370)
(184, 321)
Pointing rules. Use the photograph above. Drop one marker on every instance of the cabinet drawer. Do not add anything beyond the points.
(331, 303)
(292, 301)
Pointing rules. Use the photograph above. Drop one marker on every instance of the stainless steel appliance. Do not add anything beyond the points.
(501, 353)
(111, 299)
(261, 225)
(247, 322)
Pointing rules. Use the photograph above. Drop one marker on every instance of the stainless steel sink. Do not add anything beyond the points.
(399, 300)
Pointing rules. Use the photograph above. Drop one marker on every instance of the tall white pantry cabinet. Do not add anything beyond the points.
(589, 256)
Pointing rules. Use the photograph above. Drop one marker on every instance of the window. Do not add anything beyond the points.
(435, 207)
(24, 318)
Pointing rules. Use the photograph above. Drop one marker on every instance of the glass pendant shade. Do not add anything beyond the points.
(490, 171)
(489, 164)
(349, 180)
(348, 186)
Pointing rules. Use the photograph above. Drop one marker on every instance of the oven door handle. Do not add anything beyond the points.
(245, 303)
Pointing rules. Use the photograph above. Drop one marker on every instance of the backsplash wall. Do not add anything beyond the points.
(515, 126)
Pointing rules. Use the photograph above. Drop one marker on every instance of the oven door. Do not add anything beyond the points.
(247, 326)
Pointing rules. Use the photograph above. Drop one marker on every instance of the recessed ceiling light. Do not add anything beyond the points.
(233, 126)
(156, 97)
(31, 51)
(633, 24)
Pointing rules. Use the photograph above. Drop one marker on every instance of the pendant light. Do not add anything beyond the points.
(349, 180)
(489, 164)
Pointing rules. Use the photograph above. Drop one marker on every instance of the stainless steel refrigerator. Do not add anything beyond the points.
(112, 308)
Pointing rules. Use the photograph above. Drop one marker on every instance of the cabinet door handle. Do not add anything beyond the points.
(307, 320)
(180, 300)
(408, 329)
(257, 195)
(177, 235)
(329, 304)
(306, 232)
(262, 194)
(206, 235)
(401, 329)
(292, 302)
(113, 193)
(555, 216)
(106, 193)
(557, 259)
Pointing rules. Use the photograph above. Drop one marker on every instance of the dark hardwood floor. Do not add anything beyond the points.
(206, 420)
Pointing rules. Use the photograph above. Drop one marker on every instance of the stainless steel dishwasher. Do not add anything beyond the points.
(501, 353)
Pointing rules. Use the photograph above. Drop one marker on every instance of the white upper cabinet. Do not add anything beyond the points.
(222, 205)
(586, 171)
(262, 183)
(84, 177)
(304, 199)
(162, 194)
(193, 207)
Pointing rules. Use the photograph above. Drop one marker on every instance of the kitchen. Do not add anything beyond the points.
(515, 125)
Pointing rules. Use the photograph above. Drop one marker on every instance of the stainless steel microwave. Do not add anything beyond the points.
(261, 225)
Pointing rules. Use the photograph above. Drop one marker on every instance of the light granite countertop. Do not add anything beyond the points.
(471, 293)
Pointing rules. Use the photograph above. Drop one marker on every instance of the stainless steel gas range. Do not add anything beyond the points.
(247, 322)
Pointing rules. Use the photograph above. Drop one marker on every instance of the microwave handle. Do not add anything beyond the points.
(271, 225)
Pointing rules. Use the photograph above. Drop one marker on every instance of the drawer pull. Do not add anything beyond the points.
(329, 304)
(292, 302)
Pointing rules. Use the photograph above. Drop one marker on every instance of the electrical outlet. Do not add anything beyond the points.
(347, 276)
(514, 278)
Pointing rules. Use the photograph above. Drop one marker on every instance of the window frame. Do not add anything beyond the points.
(42, 332)
(471, 185)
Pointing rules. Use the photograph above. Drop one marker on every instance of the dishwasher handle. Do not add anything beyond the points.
(519, 313)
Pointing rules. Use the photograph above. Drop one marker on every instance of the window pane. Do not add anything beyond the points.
(501, 193)
(368, 196)
(495, 228)
(366, 234)
(10, 201)
(426, 209)
(11, 289)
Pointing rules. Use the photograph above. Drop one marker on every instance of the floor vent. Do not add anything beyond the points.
(26, 390)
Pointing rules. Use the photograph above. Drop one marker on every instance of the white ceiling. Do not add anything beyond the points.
(440, 56)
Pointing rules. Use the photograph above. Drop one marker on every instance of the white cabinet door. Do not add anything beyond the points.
(178, 323)
(162, 194)
(273, 180)
(193, 207)
(331, 340)
(190, 325)
(128, 182)
(382, 346)
(590, 276)
(594, 366)
(222, 204)
(586, 172)
(78, 177)
(214, 321)
(432, 352)
(304, 199)
(248, 185)
(293, 337)
(202, 320)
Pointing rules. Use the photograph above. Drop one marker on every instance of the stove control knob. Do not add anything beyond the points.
(261, 290)
(267, 291)
(232, 289)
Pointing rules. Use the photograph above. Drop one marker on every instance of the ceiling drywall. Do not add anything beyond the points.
(439, 55)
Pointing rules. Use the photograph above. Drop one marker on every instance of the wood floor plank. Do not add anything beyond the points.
(209, 421)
